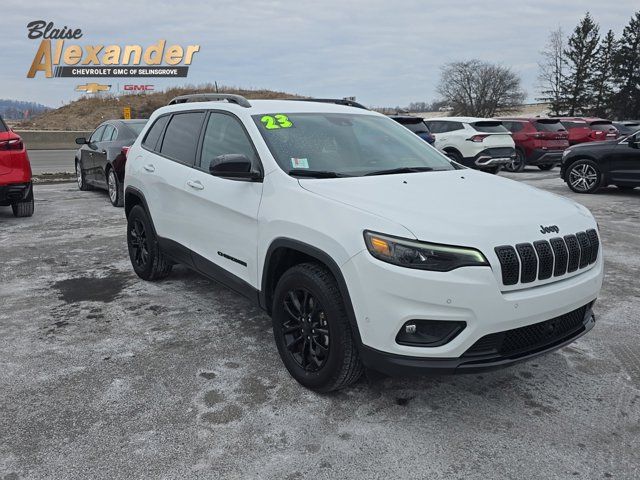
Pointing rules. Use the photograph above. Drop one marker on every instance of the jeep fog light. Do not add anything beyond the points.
(428, 333)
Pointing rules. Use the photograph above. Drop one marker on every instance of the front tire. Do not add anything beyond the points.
(584, 176)
(147, 259)
(312, 330)
(114, 187)
(81, 179)
(24, 208)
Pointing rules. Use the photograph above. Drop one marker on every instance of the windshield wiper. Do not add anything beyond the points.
(391, 171)
(314, 173)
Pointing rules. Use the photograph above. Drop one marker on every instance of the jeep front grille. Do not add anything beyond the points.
(526, 263)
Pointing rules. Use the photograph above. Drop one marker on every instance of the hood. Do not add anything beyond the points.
(592, 145)
(458, 207)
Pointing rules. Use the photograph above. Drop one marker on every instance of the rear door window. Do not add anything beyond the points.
(153, 135)
(181, 137)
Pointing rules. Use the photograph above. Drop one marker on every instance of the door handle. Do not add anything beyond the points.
(150, 168)
(195, 184)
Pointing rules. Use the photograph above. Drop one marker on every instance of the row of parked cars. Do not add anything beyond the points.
(593, 152)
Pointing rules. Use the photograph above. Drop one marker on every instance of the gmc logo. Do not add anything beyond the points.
(138, 88)
(549, 229)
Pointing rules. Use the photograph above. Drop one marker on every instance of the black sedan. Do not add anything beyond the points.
(589, 166)
(100, 160)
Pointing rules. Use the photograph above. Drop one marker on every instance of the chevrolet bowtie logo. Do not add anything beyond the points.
(93, 88)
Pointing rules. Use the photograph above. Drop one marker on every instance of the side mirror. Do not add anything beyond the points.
(233, 165)
(81, 141)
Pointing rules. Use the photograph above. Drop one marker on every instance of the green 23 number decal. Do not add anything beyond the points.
(276, 121)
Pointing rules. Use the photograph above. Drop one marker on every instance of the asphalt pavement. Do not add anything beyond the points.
(52, 161)
(103, 375)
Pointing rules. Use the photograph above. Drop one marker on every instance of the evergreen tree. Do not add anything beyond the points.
(627, 71)
(579, 58)
(602, 85)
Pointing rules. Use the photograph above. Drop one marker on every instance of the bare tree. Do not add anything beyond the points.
(552, 72)
(480, 89)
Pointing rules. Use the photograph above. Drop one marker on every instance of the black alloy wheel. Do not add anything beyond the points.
(138, 244)
(306, 331)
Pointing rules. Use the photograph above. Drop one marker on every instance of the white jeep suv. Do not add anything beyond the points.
(367, 247)
(479, 143)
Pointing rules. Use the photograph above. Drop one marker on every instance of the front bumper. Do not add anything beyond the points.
(393, 365)
(13, 193)
(385, 297)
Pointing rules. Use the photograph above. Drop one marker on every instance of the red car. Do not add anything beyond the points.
(539, 142)
(15, 173)
(582, 130)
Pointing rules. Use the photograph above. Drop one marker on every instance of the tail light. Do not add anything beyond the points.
(125, 151)
(477, 138)
(13, 144)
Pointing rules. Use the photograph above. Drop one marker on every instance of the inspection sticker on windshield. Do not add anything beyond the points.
(271, 122)
(299, 163)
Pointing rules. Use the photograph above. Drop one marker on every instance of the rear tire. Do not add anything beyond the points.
(583, 176)
(80, 177)
(545, 168)
(24, 208)
(517, 164)
(455, 156)
(312, 330)
(147, 259)
(114, 188)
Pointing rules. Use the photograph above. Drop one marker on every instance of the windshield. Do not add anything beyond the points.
(345, 144)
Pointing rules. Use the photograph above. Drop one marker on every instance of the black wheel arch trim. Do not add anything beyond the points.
(320, 256)
(133, 191)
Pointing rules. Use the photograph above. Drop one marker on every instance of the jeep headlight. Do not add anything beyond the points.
(421, 255)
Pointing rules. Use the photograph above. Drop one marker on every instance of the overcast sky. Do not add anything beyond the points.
(386, 53)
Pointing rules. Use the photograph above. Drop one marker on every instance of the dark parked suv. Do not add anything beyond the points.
(539, 141)
(100, 160)
(416, 125)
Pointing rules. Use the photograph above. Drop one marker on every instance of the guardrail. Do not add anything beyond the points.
(51, 139)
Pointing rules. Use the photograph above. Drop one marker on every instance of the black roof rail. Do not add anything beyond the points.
(337, 101)
(211, 97)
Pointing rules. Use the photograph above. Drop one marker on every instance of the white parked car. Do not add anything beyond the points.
(479, 143)
(367, 247)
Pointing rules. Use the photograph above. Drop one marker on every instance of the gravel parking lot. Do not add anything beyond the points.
(105, 376)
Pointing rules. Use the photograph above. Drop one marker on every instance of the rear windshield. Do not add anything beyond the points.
(489, 127)
(549, 126)
(3, 127)
(136, 126)
(419, 127)
(568, 125)
(601, 126)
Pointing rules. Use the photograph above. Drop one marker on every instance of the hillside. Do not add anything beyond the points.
(89, 111)
(18, 110)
